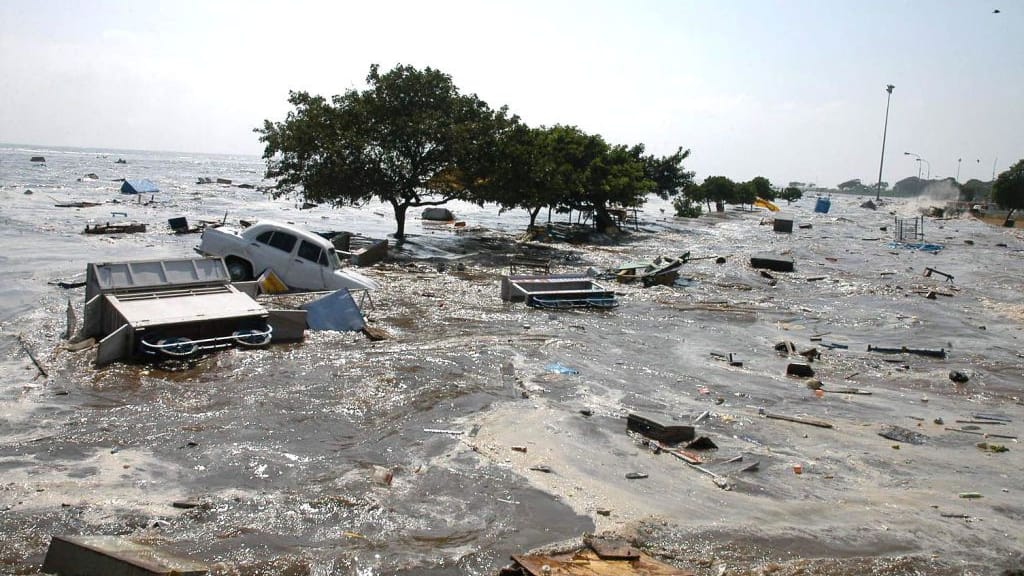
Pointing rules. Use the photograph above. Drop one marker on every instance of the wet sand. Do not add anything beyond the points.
(278, 445)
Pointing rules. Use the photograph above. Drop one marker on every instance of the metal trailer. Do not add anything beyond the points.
(168, 308)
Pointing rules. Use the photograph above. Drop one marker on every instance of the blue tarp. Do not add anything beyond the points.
(337, 311)
(923, 246)
(138, 187)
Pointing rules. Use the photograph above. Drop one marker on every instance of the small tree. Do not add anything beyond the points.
(1008, 189)
(791, 193)
(718, 189)
(686, 208)
(744, 193)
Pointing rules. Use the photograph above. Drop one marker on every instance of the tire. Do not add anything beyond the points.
(178, 347)
(249, 338)
(239, 270)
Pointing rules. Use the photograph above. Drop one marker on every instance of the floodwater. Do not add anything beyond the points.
(278, 447)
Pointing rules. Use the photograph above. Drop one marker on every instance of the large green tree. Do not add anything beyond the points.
(537, 168)
(1008, 189)
(717, 189)
(668, 174)
(763, 188)
(410, 139)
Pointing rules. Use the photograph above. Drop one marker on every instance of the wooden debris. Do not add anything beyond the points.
(108, 228)
(587, 562)
(375, 334)
(901, 434)
(808, 421)
(32, 356)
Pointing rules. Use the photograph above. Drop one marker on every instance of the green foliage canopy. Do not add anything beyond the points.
(1008, 189)
(762, 188)
(791, 193)
(410, 139)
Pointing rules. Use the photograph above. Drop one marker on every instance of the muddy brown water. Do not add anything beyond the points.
(278, 446)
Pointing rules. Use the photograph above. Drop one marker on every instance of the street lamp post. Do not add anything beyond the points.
(958, 170)
(885, 129)
(917, 158)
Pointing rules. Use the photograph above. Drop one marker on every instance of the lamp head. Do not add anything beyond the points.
(889, 88)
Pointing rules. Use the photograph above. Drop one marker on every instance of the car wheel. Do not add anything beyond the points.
(239, 270)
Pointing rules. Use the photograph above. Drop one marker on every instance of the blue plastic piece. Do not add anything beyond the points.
(923, 246)
(559, 368)
(823, 205)
(337, 311)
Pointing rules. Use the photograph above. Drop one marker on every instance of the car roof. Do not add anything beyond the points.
(307, 235)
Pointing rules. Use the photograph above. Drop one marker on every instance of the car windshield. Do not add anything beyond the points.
(334, 260)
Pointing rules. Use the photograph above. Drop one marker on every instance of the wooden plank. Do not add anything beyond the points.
(808, 421)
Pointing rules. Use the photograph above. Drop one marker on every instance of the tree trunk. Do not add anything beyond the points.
(719, 206)
(533, 215)
(400, 219)
(603, 220)
(1006, 223)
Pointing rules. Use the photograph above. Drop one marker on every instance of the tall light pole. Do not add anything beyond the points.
(917, 158)
(885, 129)
(958, 170)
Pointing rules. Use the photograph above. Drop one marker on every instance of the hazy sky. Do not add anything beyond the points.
(790, 90)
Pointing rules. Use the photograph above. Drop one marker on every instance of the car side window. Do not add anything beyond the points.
(309, 251)
(265, 237)
(282, 241)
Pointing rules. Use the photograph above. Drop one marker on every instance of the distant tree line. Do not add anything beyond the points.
(721, 191)
(412, 138)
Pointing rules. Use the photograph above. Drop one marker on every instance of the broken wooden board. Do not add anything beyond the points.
(587, 562)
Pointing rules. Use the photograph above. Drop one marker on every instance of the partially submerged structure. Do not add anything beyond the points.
(557, 291)
(139, 187)
(168, 308)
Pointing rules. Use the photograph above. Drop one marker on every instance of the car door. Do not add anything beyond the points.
(272, 249)
(308, 267)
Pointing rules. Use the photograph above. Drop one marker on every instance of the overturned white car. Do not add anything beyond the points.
(299, 258)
